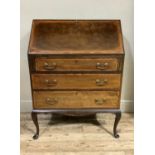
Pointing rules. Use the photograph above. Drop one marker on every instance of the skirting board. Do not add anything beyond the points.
(126, 105)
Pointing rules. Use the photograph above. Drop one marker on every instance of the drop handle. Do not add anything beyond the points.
(100, 101)
(101, 82)
(51, 82)
(51, 101)
(50, 66)
(102, 66)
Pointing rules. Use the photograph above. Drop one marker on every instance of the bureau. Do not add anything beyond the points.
(76, 67)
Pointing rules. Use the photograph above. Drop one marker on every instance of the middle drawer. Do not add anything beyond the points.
(76, 81)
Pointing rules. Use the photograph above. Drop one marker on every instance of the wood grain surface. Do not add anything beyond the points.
(67, 137)
(104, 64)
(75, 99)
(76, 37)
(76, 81)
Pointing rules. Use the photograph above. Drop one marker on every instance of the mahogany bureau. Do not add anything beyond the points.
(76, 67)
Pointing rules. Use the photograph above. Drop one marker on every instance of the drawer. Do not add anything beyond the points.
(48, 64)
(75, 99)
(76, 81)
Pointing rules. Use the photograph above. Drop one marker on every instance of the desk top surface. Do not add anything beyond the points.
(76, 37)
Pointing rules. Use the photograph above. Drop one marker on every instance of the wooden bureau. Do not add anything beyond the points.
(76, 67)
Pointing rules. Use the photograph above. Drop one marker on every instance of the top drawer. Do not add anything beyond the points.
(49, 64)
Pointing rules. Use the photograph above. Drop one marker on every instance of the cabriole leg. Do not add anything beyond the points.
(117, 119)
(35, 121)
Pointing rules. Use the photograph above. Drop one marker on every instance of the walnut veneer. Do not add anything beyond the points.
(76, 66)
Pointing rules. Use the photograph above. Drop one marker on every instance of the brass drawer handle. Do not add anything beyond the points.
(50, 66)
(51, 83)
(51, 101)
(102, 66)
(101, 82)
(100, 101)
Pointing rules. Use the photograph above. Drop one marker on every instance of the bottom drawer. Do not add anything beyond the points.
(75, 99)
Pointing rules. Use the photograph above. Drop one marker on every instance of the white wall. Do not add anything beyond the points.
(78, 9)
